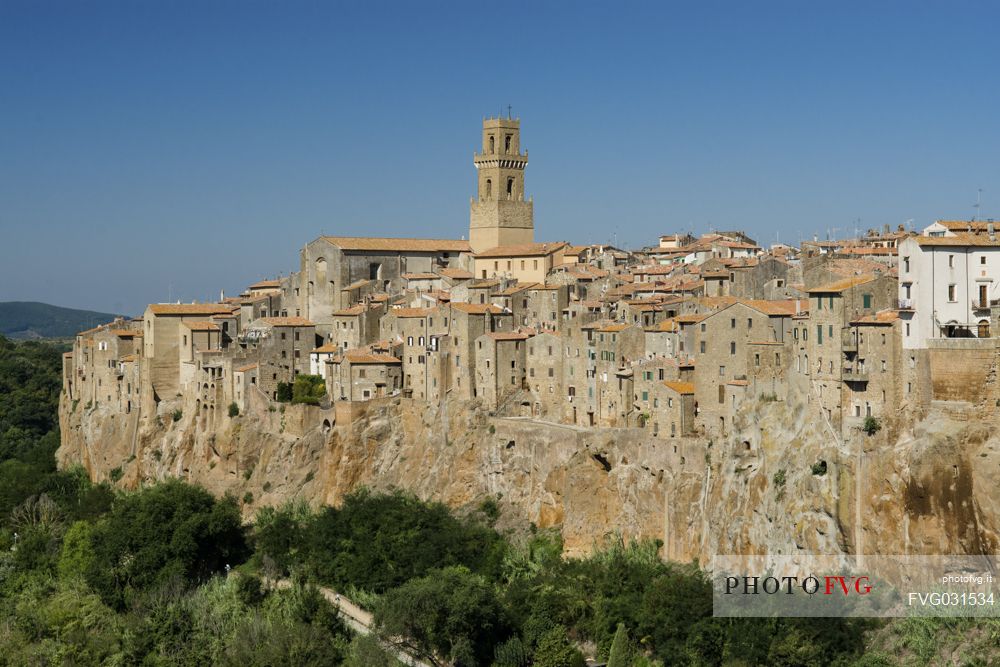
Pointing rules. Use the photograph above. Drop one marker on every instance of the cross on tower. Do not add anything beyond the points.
(508, 112)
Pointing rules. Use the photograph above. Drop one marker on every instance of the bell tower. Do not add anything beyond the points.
(499, 214)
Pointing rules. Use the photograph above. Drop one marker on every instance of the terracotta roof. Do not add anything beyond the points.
(264, 284)
(959, 239)
(614, 327)
(125, 333)
(690, 318)
(360, 357)
(507, 335)
(397, 244)
(244, 369)
(420, 276)
(128, 358)
(478, 308)
(357, 284)
(523, 250)
(202, 326)
(514, 289)
(412, 312)
(347, 312)
(457, 274)
(679, 387)
(287, 321)
(328, 348)
(189, 308)
(779, 307)
(846, 283)
(881, 317)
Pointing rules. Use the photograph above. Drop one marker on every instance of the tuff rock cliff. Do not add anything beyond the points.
(782, 482)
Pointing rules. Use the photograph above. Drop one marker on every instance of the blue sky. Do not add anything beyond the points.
(155, 150)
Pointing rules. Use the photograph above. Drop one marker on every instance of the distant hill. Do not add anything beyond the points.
(30, 319)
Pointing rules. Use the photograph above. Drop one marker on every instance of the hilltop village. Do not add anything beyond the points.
(672, 338)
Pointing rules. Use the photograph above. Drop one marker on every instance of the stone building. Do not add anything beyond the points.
(336, 272)
(362, 375)
(500, 366)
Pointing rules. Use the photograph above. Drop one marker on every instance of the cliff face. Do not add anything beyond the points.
(781, 482)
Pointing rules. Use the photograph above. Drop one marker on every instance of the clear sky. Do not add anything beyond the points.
(164, 150)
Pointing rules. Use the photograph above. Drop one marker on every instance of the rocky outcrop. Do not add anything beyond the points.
(782, 482)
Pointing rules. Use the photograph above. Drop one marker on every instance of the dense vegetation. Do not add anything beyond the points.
(30, 319)
(98, 576)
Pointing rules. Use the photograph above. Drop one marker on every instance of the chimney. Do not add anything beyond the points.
(990, 231)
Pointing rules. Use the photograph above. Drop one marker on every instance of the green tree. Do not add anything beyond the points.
(308, 389)
(170, 530)
(77, 554)
(379, 541)
(451, 614)
(621, 652)
(555, 650)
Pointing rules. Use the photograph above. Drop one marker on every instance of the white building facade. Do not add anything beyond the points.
(947, 283)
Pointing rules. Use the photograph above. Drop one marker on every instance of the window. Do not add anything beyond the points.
(510, 187)
(749, 323)
(522, 265)
(777, 359)
(536, 264)
(703, 347)
(702, 326)
(361, 372)
(722, 371)
(732, 347)
(952, 293)
(283, 336)
(732, 323)
(819, 334)
(982, 260)
(492, 143)
(506, 144)
(756, 360)
(645, 395)
(951, 261)
(866, 300)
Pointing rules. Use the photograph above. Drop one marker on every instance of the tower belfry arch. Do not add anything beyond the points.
(500, 214)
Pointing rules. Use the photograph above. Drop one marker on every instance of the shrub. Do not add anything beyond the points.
(308, 389)
(178, 415)
(284, 392)
(248, 498)
(779, 478)
(819, 468)
(116, 474)
(871, 425)
(234, 410)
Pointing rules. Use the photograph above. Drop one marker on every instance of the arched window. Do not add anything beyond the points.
(510, 187)
(489, 188)
(491, 143)
(506, 144)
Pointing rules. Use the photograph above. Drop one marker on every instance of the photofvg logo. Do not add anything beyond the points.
(769, 586)
(788, 585)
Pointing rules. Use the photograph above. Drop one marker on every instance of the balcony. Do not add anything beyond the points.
(849, 340)
(852, 374)
(905, 304)
(984, 304)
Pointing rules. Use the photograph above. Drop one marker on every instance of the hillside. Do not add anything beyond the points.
(31, 319)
